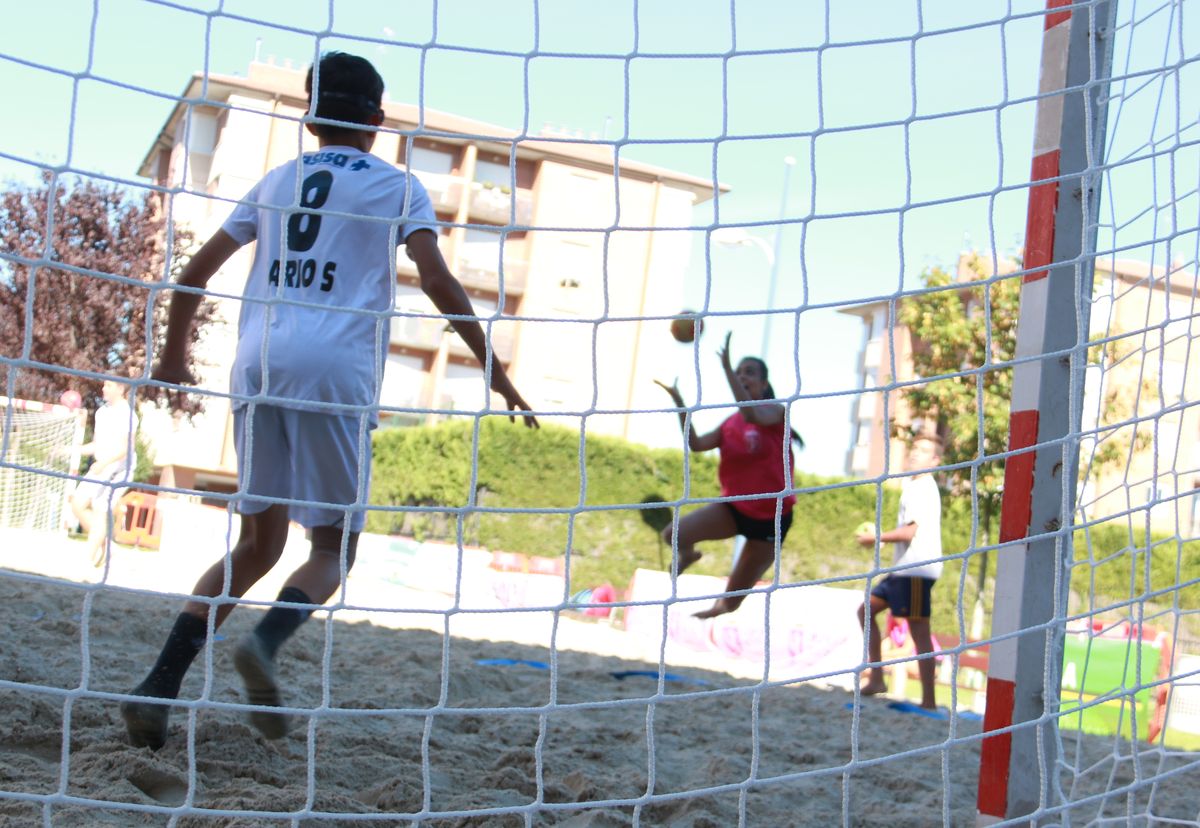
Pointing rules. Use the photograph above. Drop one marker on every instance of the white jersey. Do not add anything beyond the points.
(115, 425)
(302, 332)
(920, 503)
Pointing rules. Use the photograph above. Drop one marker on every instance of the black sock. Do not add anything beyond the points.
(279, 623)
(183, 644)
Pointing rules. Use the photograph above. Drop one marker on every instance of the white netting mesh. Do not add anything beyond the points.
(34, 476)
(480, 692)
(1129, 669)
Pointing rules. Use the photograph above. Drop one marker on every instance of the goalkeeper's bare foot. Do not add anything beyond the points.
(145, 721)
(258, 673)
(721, 607)
(874, 687)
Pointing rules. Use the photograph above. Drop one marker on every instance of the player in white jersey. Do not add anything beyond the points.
(907, 591)
(114, 450)
(312, 343)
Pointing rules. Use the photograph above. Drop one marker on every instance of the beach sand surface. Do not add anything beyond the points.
(401, 720)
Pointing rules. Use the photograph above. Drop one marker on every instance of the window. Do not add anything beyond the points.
(862, 435)
(427, 159)
(482, 237)
(490, 172)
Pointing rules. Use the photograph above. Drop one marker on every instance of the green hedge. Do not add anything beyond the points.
(521, 469)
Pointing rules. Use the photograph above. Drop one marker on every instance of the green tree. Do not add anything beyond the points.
(89, 258)
(963, 335)
(1116, 369)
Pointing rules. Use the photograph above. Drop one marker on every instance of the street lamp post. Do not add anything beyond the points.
(738, 237)
(788, 163)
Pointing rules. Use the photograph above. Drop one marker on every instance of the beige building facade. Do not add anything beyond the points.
(1141, 401)
(563, 253)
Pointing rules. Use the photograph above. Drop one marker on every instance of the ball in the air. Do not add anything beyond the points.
(686, 327)
(71, 399)
(865, 528)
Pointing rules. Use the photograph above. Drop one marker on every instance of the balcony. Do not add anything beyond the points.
(494, 205)
(424, 333)
(867, 405)
(860, 459)
(502, 336)
(417, 332)
(479, 267)
(445, 191)
(873, 353)
(408, 267)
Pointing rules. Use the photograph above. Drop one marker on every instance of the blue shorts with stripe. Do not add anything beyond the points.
(907, 597)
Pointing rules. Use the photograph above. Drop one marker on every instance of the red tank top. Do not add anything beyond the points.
(752, 463)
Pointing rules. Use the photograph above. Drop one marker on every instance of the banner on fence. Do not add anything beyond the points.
(814, 631)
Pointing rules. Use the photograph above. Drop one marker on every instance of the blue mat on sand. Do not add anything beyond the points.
(943, 715)
(624, 674)
(537, 665)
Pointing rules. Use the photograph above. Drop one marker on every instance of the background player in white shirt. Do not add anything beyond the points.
(917, 541)
(312, 342)
(115, 458)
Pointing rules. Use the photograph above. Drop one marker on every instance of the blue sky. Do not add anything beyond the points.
(906, 120)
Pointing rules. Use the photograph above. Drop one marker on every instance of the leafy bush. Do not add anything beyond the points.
(529, 484)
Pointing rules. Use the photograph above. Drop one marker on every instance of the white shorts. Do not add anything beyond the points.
(103, 488)
(318, 464)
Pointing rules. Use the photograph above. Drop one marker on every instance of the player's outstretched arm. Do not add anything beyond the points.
(761, 414)
(448, 297)
(704, 442)
(172, 362)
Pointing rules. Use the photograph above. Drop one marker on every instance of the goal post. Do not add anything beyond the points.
(1017, 764)
(38, 450)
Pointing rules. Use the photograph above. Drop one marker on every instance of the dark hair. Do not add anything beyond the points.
(934, 438)
(762, 368)
(348, 89)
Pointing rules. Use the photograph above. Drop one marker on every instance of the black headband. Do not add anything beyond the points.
(353, 98)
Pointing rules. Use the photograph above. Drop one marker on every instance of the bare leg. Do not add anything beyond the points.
(81, 507)
(711, 522)
(321, 575)
(314, 581)
(258, 548)
(875, 683)
(97, 535)
(919, 627)
(757, 557)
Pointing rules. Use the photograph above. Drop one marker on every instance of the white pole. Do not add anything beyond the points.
(788, 163)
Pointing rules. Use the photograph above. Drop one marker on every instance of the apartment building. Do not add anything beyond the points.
(530, 229)
(1151, 318)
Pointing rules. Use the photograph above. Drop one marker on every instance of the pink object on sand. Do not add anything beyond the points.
(604, 594)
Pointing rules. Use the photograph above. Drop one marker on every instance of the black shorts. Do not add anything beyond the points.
(763, 530)
(907, 597)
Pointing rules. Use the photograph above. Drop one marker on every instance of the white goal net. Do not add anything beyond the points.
(962, 239)
(35, 478)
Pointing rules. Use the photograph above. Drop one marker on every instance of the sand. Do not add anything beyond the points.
(404, 725)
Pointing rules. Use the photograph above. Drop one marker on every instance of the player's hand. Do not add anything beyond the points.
(673, 390)
(503, 386)
(723, 353)
(173, 371)
(865, 539)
